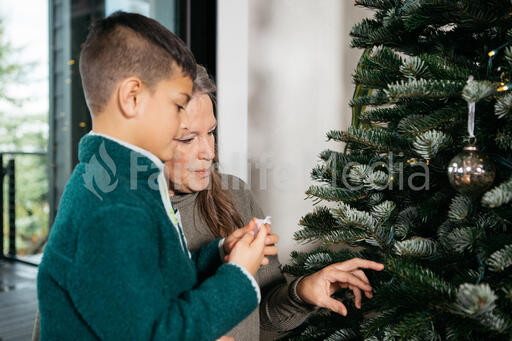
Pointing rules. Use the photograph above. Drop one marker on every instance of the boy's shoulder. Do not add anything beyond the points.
(91, 187)
(90, 202)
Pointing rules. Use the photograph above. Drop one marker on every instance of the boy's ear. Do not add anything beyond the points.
(130, 96)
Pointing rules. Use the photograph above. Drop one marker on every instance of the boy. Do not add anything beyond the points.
(116, 266)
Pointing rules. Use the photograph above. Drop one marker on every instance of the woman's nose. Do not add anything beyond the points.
(206, 151)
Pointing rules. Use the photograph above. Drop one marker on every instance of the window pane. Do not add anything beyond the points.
(24, 117)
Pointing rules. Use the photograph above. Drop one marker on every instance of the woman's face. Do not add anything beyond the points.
(190, 168)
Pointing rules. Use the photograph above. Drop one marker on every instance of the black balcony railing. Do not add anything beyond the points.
(8, 173)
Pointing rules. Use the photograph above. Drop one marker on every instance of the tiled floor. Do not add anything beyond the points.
(18, 301)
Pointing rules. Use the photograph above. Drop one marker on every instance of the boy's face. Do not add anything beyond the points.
(163, 114)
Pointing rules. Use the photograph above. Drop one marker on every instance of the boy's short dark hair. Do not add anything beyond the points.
(129, 44)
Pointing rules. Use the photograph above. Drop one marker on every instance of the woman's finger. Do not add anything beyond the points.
(264, 261)
(349, 278)
(334, 305)
(362, 276)
(271, 239)
(356, 263)
(270, 251)
(357, 296)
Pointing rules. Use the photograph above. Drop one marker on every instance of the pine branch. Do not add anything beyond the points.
(382, 58)
(376, 98)
(499, 195)
(418, 89)
(344, 334)
(347, 236)
(414, 125)
(442, 68)
(475, 300)
(376, 323)
(382, 212)
(316, 225)
(385, 114)
(501, 259)
(430, 143)
(407, 219)
(351, 218)
(309, 262)
(415, 68)
(461, 207)
(476, 91)
(376, 4)
(503, 106)
(367, 177)
(463, 239)
(414, 326)
(416, 248)
(330, 193)
(320, 219)
(504, 138)
(371, 33)
(420, 277)
(375, 138)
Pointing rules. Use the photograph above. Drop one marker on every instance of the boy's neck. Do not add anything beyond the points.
(103, 124)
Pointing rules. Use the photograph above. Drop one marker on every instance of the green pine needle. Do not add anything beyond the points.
(499, 195)
(501, 259)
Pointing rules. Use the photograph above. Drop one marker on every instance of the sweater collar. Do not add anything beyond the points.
(133, 147)
(118, 156)
(180, 200)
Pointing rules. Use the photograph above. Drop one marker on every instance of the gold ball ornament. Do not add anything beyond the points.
(470, 172)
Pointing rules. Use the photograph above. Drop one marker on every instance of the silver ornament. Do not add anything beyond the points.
(470, 172)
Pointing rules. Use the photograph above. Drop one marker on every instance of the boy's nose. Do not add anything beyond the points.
(183, 117)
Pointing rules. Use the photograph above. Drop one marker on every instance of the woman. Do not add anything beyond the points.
(213, 205)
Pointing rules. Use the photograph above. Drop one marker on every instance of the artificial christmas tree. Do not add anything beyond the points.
(447, 250)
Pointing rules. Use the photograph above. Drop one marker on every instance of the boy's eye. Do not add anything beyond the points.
(186, 140)
(180, 107)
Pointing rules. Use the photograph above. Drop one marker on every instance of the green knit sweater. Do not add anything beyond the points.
(114, 267)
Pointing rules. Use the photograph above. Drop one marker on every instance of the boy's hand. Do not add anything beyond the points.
(248, 251)
(234, 237)
(317, 288)
(226, 338)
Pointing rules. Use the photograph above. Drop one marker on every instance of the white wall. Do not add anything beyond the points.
(299, 85)
(232, 85)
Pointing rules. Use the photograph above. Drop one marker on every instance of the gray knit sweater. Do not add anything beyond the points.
(281, 309)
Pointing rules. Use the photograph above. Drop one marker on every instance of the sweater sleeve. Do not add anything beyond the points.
(207, 259)
(281, 309)
(117, 288)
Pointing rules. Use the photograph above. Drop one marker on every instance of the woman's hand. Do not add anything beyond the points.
(234, 237)
(317, 288)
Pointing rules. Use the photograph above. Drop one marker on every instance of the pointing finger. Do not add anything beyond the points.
(334, 305)
(356, 263)
(349, 278)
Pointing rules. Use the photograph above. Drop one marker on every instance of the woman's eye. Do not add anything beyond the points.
(212, 132)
